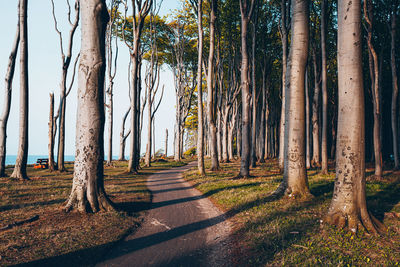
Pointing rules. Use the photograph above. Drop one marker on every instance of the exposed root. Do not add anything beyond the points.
(78, 200)
(355, 223)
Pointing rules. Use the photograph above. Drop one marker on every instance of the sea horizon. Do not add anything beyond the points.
(10, 159)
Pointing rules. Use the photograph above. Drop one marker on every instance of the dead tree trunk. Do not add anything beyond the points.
(7, 101)
(66, 61)
(87, 194)
(22, 156)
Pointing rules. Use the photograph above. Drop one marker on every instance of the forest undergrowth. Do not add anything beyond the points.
(274, 232)
(56, 238)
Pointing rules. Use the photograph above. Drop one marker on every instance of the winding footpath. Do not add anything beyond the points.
(181, 228)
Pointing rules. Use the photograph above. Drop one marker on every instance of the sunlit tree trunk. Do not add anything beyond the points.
(7, 101)
(200, 129)
(324, 138)
(22, 156)
(348, 206)
(87, 194)
(295, 182)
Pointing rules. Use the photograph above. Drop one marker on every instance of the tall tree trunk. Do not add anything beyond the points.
(140, 10)
(284, 39)
(87, 194)
(324, 137)
(315, 110)
(66, 61)
(211, 114)
(295, 181)
(225, 155)
(368, 13)
(348, 207)
(246, 9)
(22, 156)
(7, 101)
(308, 139)
(253, 156)
(395, 90)
(51, 134)
(200, 129)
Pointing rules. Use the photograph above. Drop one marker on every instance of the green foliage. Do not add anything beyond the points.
(190, 152)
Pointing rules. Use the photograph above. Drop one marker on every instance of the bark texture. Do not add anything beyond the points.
(348, 207)
(295, 181)
(22, 156)
(246, 10)
(395, 88)
(324, 137)
(51, 134)
(7, 101)
(87, 194)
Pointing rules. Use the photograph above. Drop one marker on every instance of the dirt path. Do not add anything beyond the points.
(182, 228)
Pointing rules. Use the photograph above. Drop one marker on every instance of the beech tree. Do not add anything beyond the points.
(395, 86)
(112, 71)
(348, 207)
(324, 80)
(375, 88)
(7, 100)
(22, 156)
(211, 98)
(283, 30)
(66, 57)
(246, 11)
(295, 181)
(87, 192)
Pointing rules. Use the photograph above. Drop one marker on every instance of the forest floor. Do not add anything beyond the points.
(56, 238)
(270, 232)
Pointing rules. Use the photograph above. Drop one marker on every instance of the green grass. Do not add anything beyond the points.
(270, 232)
(59, 238)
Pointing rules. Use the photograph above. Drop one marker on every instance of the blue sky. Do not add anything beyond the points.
(44, 77)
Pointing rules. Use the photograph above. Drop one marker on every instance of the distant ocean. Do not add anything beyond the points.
(10, 159)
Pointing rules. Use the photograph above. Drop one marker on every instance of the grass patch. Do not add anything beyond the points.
(59, 238)
(274, 232)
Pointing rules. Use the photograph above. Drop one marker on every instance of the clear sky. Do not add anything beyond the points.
(45, 73)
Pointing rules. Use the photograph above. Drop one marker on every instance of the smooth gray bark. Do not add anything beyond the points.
(348, 207)
(87, 194)
(395, 89)
(22, 156)
(324, 137)
(295, 182)
(7, 100)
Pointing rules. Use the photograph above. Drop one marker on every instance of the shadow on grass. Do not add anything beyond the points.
(384, 200)
(34, 204)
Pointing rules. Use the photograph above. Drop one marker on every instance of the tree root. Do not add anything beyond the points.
(354, 223)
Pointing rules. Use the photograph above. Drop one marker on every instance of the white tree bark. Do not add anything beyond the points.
(87, 192)
(22, 156)
(348, 207)
(7, 101)
(295, 181)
